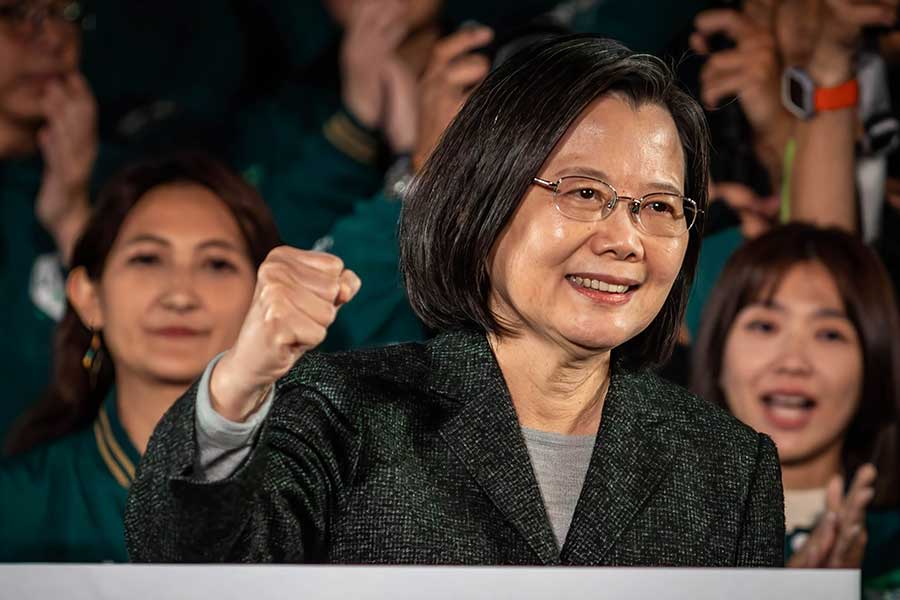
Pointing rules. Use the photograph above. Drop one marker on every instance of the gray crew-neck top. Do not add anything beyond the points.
(560, 464)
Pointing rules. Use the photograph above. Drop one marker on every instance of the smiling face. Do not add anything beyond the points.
(792, 367)
(30, 57)
(175, 287)
(544, 264)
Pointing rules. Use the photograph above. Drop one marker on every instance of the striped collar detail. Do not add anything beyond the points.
(110, 443)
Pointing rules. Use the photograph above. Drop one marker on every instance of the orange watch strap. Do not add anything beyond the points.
(836, 98)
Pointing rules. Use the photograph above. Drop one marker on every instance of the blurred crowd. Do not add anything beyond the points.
(151, 154)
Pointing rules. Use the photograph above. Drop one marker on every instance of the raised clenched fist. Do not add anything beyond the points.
(297, 296)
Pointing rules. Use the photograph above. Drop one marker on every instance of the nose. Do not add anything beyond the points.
(793, 359)
(618, 233)
(48, 33)
(180, 295)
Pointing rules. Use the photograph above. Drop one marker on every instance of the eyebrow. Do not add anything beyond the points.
(822, 313)
(659, 186)
(155, 239)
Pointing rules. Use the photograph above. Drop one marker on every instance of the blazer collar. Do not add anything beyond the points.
(484, 434)
(628, 461)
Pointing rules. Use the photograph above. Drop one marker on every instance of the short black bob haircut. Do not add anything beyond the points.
(483, 166)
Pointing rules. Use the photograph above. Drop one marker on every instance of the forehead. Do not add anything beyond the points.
(807, 286)
(181, 212)
(633, 144)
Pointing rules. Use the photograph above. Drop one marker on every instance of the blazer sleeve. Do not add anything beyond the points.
(275, 508)
(761, 543)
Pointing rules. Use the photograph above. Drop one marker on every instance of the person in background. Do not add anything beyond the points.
(323, 140)
(823, 37)
(800, 340)
(366, 240)
(159, 284)
(48, 145)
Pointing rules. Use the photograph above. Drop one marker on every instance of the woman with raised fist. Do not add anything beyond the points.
(550, 240)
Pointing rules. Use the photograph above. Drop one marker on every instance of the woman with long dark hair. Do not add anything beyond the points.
(550, 239)
(800, 340)
(159, 284)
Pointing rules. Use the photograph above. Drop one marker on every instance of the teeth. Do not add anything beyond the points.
(789, 401)
(601, 286)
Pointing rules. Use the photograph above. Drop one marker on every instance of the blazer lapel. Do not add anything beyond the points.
(486, 437)
(629, 461)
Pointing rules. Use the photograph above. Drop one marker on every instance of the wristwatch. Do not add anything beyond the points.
(800, 95)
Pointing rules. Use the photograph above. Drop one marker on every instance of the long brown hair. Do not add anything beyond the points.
(755, 272)
(73, 397)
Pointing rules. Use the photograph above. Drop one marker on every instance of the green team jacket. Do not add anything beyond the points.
(64, 501)
(31, 283)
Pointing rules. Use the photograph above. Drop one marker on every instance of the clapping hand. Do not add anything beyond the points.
(839, 539)
(452, 73)
(68, 144)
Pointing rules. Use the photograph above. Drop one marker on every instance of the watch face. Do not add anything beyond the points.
(796, 92)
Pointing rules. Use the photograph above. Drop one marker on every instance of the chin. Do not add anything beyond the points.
(599, 341)
(176, 371)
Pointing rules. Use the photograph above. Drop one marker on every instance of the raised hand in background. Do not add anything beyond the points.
(68, 144)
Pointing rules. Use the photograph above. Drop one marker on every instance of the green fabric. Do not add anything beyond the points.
(62, 501)
(165, 68)
(790, 150)
(646, 26)
(307, 181)
(881, 564)
(27, 330)
(303, 29)
(714, 254)
(642, 26)
(28, 326)
(380, 313)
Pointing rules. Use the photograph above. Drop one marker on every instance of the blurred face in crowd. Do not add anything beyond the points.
(175, 287)
(36, 47)
(792, 367)
(593, 284)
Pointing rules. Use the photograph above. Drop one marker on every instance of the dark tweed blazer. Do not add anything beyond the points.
(413, 454)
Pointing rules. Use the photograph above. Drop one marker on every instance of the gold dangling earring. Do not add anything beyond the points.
(92, 359)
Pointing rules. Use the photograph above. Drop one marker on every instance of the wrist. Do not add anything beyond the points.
(67, 228)
(831, 67)
(234, 399)
(362, 112)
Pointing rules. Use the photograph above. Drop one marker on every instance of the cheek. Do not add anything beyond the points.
(842, 372)
(228, 304)
(665, 259)
(743, 360)
(123, 304)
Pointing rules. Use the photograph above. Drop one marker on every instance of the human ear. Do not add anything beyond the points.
(83, 295)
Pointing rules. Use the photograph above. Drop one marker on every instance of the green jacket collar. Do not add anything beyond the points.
(113, 443)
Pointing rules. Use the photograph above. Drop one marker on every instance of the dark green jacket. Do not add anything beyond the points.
(64, 500)
(33, 291)
(413, 454)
